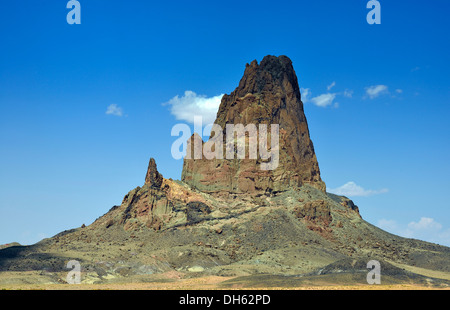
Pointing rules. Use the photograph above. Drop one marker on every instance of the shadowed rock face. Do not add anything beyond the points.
(268, 93)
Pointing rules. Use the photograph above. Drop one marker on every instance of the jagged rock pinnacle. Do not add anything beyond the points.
(153, 178)
(268, 93)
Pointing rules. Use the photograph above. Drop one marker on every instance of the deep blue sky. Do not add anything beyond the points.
(65, 162)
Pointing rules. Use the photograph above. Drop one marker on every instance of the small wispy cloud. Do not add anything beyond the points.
(347, 93)
(351, 189)
(329, 87)
(324, 100)
(426, 228)
(425, 223)
(189, 105)
(376, 90)
(114, 109)
(399, 91)
(305, 93)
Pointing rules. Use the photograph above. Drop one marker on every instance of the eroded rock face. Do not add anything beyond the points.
(317, 210)
(158, 203)
(153, 178)
(268, 93)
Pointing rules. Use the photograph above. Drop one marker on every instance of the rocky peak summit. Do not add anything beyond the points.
(268, 93)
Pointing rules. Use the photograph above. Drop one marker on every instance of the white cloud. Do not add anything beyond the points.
(376, 90)
(425, 223)
(329, 87)
(399, 91)
(114, 109)
(323, 100)
(352, 189)
(425, 229)
(305, 92)
(347, 93)
(186, 107)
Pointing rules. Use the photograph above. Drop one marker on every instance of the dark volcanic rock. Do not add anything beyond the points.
(268, 93)
(153, 177)
(196, 211)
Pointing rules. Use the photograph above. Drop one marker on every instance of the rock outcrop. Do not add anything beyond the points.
(153, 178)
(157, 203)
(268, 93)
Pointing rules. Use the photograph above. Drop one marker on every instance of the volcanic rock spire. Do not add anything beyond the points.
(153, 178)
(268, 93)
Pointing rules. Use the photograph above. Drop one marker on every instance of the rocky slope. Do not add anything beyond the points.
(229, 218)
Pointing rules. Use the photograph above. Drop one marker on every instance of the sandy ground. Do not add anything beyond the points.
(205, 283)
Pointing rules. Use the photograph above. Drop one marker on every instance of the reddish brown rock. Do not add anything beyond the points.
(153, 178)
(318, 211)
(268, 93)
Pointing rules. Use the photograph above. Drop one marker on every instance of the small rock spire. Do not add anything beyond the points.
(153, 177)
